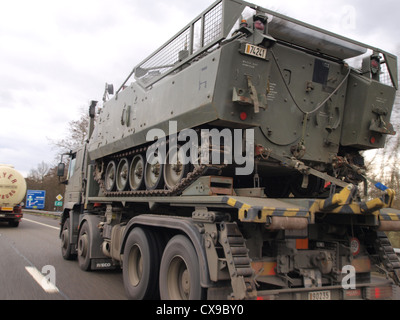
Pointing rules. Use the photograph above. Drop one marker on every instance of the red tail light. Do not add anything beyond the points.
(259, 25)
(379, 293)
(243, 116)
(375, 64)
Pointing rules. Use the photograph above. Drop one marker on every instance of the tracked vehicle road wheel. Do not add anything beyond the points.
(110, 176)
(153, 173)
(313, 189)
(180, 271)
(277, 187)
(122, 177)
(136, 173)
(175, 168)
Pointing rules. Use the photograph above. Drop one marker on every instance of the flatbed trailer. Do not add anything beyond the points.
(227, 235)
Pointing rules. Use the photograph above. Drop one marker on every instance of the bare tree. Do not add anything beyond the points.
(383, 166)
(45, 178)
(77, 133)
(40, 172)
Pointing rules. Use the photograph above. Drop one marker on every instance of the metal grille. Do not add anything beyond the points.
(179, 48)
(167, 57)
(384, 76)
(213, 24)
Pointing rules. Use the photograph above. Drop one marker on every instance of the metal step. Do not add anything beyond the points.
(238, 261)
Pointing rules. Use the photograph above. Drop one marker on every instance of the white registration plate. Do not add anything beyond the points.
(255, 51)
(2, 215)
(319, 295)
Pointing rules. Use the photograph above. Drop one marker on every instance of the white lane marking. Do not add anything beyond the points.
(43, 224)
(41, 280)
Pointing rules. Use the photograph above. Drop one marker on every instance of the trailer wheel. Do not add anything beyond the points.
(179, 271)
(141, 265)
(66, 246)
(84, 247)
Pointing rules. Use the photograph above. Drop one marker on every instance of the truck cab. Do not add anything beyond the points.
(74, 181)
(74, 195)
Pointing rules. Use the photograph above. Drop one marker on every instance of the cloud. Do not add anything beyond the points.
(56, 56)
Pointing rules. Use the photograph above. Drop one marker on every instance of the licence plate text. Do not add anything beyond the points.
(256, 51)
(319, 295)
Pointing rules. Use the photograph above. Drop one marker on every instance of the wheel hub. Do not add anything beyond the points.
(83, 245)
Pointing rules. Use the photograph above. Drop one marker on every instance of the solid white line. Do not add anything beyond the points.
(41, 280)
(43, 224)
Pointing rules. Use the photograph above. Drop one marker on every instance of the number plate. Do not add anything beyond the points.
(255, 51)
(2, 215)
(319, 295)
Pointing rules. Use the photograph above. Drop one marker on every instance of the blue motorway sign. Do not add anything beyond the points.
(35, 199)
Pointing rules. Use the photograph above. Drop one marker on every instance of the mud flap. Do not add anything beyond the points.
(102, 264)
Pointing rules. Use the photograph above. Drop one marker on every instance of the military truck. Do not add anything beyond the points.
(228, 165)
(12, 192)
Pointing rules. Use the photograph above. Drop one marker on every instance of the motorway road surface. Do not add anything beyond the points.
(35, 244)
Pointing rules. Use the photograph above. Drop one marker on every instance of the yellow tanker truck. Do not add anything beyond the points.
(12, 192)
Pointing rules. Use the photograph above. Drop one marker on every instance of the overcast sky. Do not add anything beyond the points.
(57, 55)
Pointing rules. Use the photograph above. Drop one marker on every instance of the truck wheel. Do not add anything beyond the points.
(66, 243)
(84, 247)
(13, 224)
(141, 265)
(179, 271)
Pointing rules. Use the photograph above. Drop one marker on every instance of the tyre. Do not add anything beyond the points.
(180, 271)
(141, 264)
(13, 224)
(84, 247)
(66, 246)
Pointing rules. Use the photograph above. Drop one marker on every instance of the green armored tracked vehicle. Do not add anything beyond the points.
(232, 159)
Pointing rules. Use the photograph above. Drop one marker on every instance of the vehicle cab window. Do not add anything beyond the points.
(71, 168)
